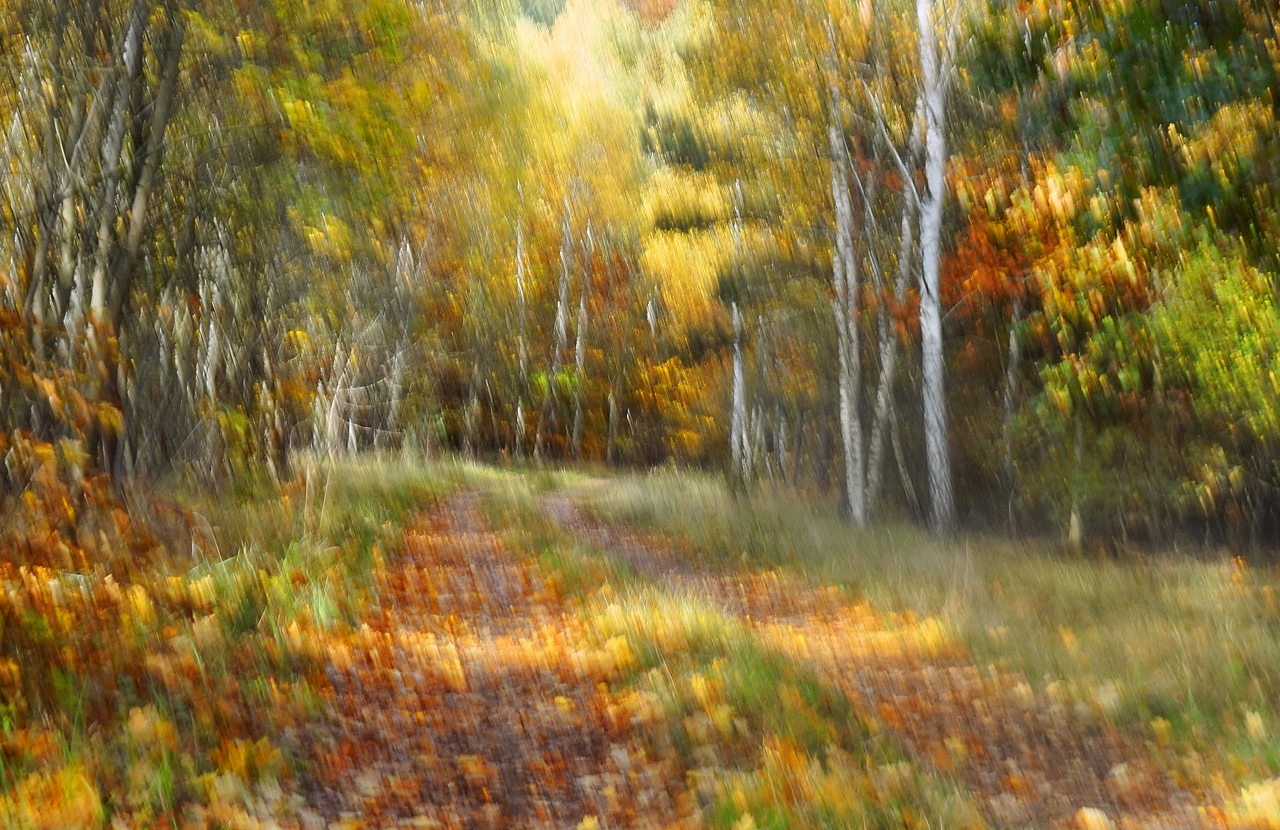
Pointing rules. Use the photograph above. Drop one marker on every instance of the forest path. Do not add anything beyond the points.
(1029, 760)
(473, 698)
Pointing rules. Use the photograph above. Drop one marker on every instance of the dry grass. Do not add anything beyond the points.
(1188, 649)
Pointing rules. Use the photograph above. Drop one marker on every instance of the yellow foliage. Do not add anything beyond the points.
(140, 605)
(1255, 726)
(63, 800)
(686, 266)
(1091, 818)
(249, 760)
(688, 196)
(1257, 807)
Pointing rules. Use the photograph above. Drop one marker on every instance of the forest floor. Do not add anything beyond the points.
(485, 649)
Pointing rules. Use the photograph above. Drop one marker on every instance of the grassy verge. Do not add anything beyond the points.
(765, 744)
(1184, 648)
(154, 691)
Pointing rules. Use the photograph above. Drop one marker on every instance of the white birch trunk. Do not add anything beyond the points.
(579, 349)
(580, 366)
(352, 446)
(844, 276)
(780, 446)
(473, 413)
(522, 344)
(755, 439)
(738, 416)
(937, 451)
(333, 417)
(161, 110)
(110, 159)
(520, 428)
(562, 337)
(1075, 523)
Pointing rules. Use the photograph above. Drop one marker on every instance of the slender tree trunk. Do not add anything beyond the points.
(34, 300)
(580, 367)
(1075, 523)
(550, 400)
(111, 160)
(780, 443)
(352, 444)
(755, 439)
(904, 474)
(937, 451)
(610, 452)
(579, 349)
(795, 444)
(473, 413)
(1011, 370)
(520, 428)
(86, 116)
(844, 276)
(161, 112)
(494, 439)
(738, 417)
(397, 390)
(337, 398)
(756, 451)
(522, 343)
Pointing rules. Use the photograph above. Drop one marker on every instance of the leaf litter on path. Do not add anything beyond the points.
(475, 697)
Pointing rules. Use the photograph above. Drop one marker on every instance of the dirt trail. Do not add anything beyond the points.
(1029, 760)
(472, 698)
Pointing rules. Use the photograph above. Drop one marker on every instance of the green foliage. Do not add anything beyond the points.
(1218, 334)
(1167, 408)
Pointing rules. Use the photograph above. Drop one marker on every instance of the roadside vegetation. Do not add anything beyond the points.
(1183, 646)
(137, 689)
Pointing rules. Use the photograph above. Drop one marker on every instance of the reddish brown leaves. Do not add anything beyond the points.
(473, 698)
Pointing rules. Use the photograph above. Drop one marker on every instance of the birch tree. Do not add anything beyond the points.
(550, 398)
(933, 80)
(844, 275)
(739, 448)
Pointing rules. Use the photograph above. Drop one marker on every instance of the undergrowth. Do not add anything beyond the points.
(157, 690)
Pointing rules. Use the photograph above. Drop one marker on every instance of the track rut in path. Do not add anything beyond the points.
(473, 698)
(1028, 759)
